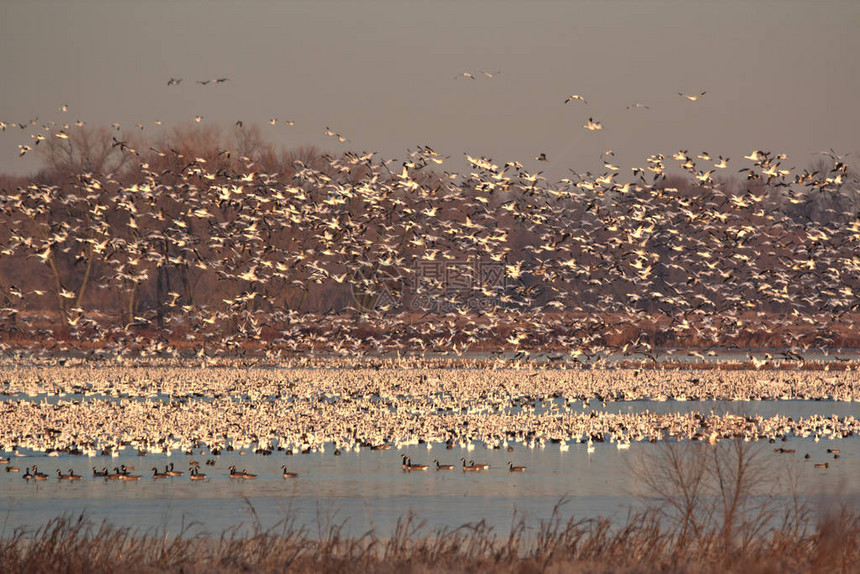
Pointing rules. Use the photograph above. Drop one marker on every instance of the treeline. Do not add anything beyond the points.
(212, 228)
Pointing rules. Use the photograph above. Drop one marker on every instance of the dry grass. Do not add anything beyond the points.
(647, 542)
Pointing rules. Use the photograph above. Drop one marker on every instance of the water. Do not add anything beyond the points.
(369, 490)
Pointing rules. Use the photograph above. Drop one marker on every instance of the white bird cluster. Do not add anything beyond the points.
(106, 409)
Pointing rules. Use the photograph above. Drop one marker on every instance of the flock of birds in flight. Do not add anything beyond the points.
(701, 252)
(591, 124)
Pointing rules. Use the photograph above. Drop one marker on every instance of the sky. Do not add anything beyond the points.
(782, 76)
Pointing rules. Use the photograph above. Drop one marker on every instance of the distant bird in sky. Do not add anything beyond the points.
(692, 98)
(329, 132)
(174, 81)
(575, 97)
(464, 75)
(542, 157)
(637, 106)
(592, 125)
(491, 75)
(216, 80)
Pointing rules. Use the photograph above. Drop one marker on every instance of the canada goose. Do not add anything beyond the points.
(822, 465)
(129, 477)
(27, 475)
(70, 476)
(247, 476)
(286, 474)
(102, 472)
(39, 475)
(5, 460)
(443, 466)
(479, 465)
(833, 451)
(170, 472)
(470, 467)
(195, 474)
(410, 466)
(13, 469)
(156, 474)
(233, 473)
(513, 468)
(115, 475)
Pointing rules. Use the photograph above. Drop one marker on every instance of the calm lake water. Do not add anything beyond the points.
(369, 489)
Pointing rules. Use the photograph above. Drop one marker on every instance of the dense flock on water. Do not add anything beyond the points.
(163, 409)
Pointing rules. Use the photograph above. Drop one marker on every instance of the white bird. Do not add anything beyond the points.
(692, 98)
(592, 125)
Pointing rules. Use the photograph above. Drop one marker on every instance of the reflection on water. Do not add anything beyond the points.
(369, 489)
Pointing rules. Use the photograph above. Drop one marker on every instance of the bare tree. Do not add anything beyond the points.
(85, 150)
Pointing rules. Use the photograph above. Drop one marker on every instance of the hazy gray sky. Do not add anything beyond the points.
(779, 75)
